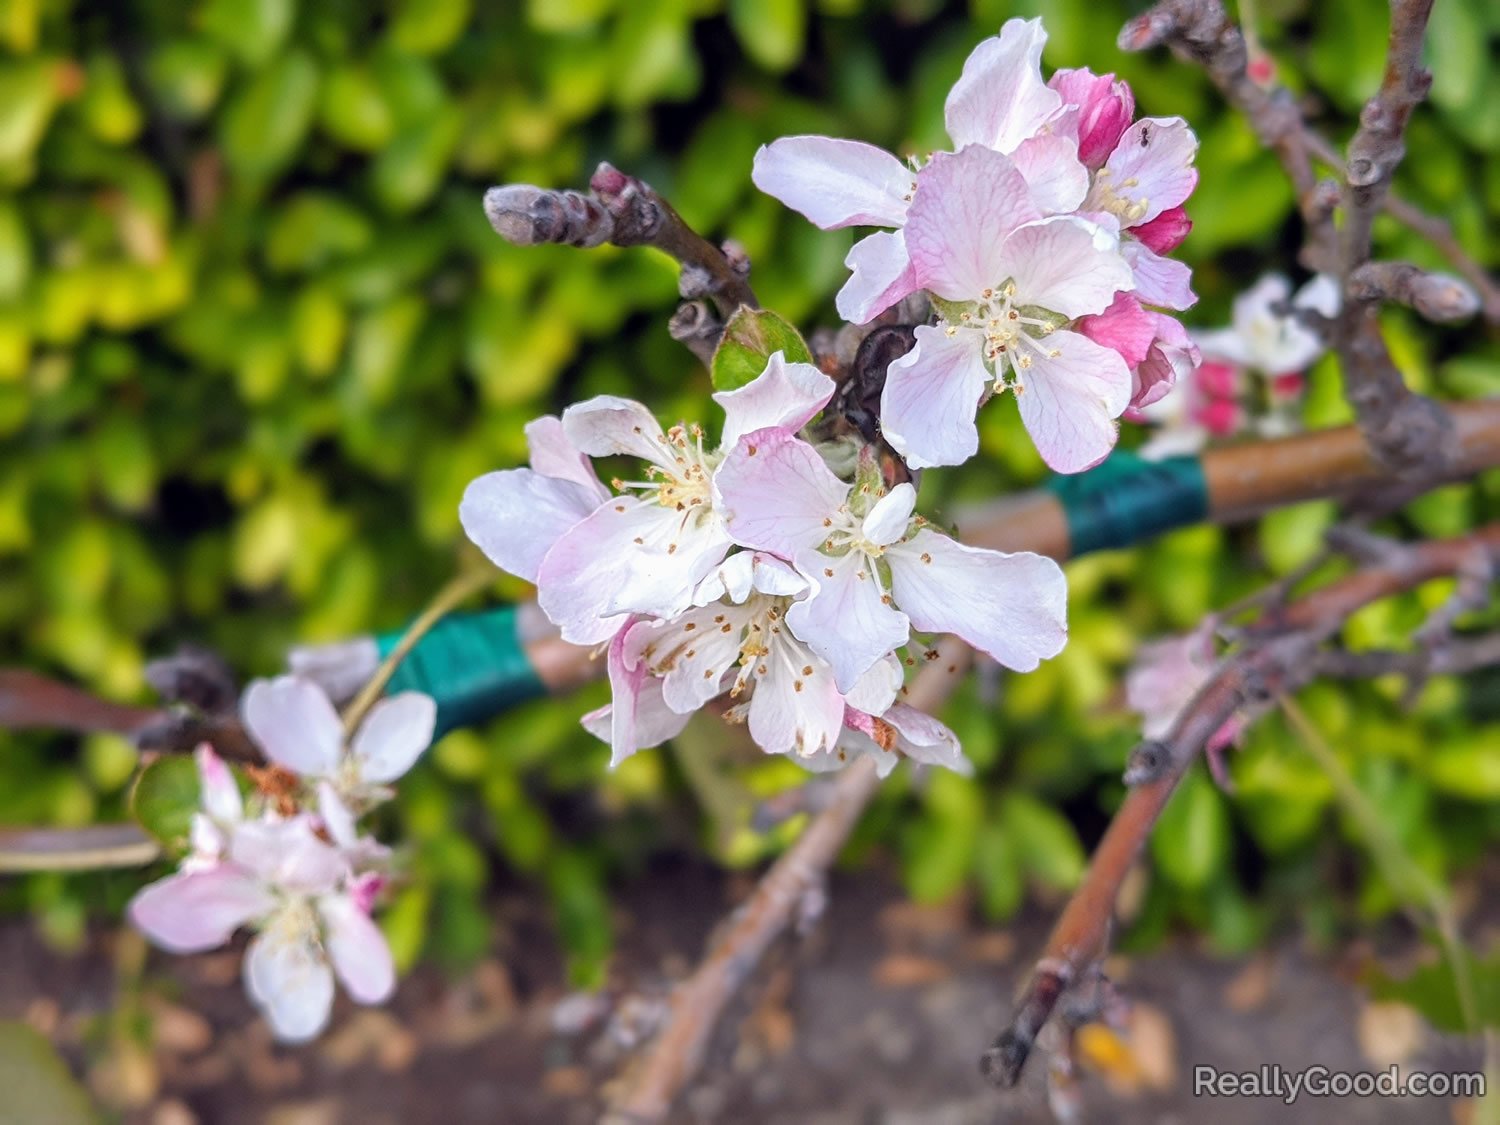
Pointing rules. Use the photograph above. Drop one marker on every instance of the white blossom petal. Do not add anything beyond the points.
(927, 740)
(515, 515)
(1070, 398)
(784, 395)
(1067, 265)
(554, 455)
(1158, 280)
(845, 620)
(888, 519)
(219, 791)
(395, 732)
(607, 425)
(292, 720)
(357, 949)
(967, 204)
(932, 395)
(882, 274)
(197, 910)
(835, 183)
(795, 707)
(287, 854)
(692, 653)
(289, 980)
(777, 494)
(1057, 178)
(1151, 169)
(1011, 606)
(877, 689)
(1000, 99)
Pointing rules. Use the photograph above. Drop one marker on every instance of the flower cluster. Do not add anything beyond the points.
(1040, 240)
(1252, 373)
(290, 861)
(765, 571)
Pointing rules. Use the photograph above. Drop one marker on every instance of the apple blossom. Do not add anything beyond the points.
(1165, 677)
(297, 891)
(645, 550)
(293, 722)
(876, 573)
(1009, 283)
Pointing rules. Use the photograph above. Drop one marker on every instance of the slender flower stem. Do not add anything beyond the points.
(466, 584)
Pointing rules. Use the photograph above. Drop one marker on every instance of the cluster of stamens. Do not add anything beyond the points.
(1011, 338)
(681, 480)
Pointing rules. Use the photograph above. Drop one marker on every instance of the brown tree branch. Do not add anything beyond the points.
(624, 211)
(1280, 654)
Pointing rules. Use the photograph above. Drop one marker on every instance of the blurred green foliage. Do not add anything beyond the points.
(256, 337)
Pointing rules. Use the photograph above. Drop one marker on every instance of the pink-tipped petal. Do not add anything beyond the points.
(784, 396)
(515, 515)
(967, 204)
(1158, 281)
(220, 792)
(1166, 232)
(290, 982)
(1070, 398)
(291, 719)
(357, 949)
(845, 620)
(835, 183)
(1124, 327)
(932, 395)
(882, 274)
(393, 736)
(1105, 107)
(1012, 607)
(198, 910)
(924, 739)
(1067, 265)
(1000, 99)
(777, 493)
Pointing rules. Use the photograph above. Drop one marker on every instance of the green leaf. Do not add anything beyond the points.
(751, 337)
(1431, 991)
(1049, 848)
(38, 1085)
(252, 30)
(772, 31)
(582, 908)
(164, 799)
(266, 122)
(1191, 841)
(1468, 767)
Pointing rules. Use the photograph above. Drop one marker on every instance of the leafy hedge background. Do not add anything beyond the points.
(256, 337)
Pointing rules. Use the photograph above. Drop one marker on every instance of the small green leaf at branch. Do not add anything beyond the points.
(750, 338)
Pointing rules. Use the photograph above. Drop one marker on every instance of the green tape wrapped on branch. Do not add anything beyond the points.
(473, 664)
(1127, 499)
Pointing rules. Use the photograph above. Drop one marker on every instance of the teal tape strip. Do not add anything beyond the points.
(472, 664)
(1127, 499)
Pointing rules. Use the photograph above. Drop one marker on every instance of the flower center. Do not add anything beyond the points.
(1012, 332)
(682, 477)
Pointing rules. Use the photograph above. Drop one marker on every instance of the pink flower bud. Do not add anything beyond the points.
(1220, 416)
(1105, 108)
(1218, 380)
(1289, 386)
(1164, 233)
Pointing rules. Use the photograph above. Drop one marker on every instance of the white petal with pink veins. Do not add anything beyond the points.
(1012, 607)
(784, 395)
(287, 854)
(931, 396)
(198, 910)
(844, 620)
(925, 739)
(1057, 178)
(967, 205)
(637, 717)
(835, 183)
(692, 653)
(393, 735)
(291, 719)
(1070, 398)
(291, 982)
(554, 455)
(1000, 99)
(357, 949)
(515, 515)
(777, 493)
(1067, 265)
(882, 274)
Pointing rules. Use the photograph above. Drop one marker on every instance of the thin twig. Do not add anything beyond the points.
(94, 848)
(1280, 655)
(458, 590)
(672, 1059)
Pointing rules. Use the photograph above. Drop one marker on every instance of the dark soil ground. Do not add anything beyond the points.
(876, 1018)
